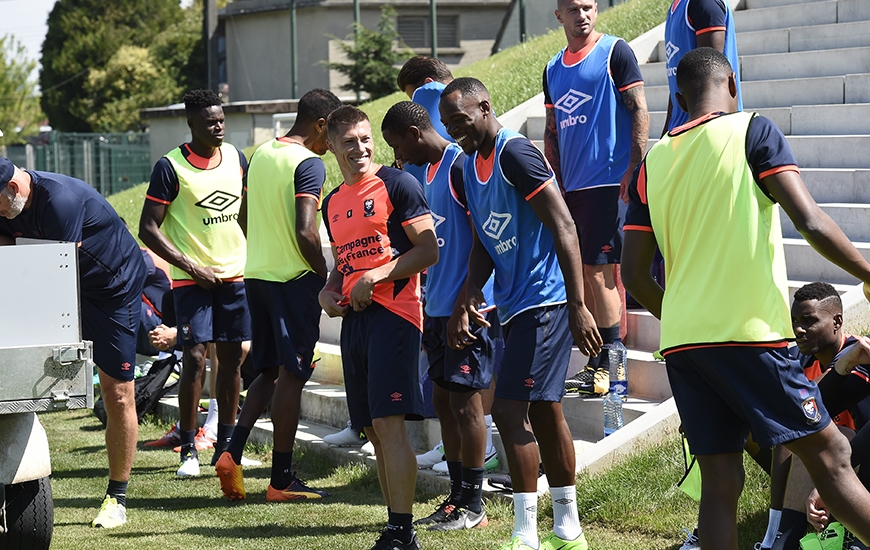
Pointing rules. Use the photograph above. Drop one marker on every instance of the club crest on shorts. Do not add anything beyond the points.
(811, 411)
(185, 331)
(368, 208)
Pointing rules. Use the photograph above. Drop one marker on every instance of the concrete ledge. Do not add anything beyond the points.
(795, 91)
(805, 264)
(761, 4)
(763, 42)
(831, 151)
(854, 10)
(857, 88)
(856, 311)
(850, 118)
(782, 17)
(837, 184)
(823, 37)
(850, 217)
(815, 63)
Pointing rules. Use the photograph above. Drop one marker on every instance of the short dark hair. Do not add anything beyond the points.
(700, 68)
(823, 292)
(316, 104)
(197, 100)
(346, 115)
(466, 86)
(405, 114)
(417, 69)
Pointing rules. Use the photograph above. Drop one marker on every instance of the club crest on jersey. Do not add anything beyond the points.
(811, 411)
(368, 208)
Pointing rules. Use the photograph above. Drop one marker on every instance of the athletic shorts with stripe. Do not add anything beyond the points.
(380, 354)
(724, 392)
(285, 323)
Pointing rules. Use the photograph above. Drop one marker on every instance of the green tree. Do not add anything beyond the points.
(19, 104)
(130, 81)
(373, 59)
(84, 36)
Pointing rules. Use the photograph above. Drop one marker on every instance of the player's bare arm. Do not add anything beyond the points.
(480, 266)
(307, 235)
(712, 39)
(153, 214)
(458, 333)
(422, 254)
(638, 251)
(814, 225)
(553, 213)
(634, 100)
(242, 220)
(330, 297)
(551, 143)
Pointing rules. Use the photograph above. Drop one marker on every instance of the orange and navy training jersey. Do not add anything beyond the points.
(365, 222)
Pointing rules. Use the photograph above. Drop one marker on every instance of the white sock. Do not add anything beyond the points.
(566, 521)
(772, 528)
(487, 418)
(526, 518)
(211, 420)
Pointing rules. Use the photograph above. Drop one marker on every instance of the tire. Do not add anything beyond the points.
(29, 516)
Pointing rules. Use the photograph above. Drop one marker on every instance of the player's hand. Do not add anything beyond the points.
(474, 302)
(623, 185)
(361, 293)
(330, 301)
(858, 354)
(163, 337)
(206, 277)
(584, 331)
(817, 514)
(458, 329)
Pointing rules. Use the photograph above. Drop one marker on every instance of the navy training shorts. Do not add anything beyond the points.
(113, 326)
(285, 323)
(216, 315)
(470, 368)
(724, 392)
(537, 349)
(380, 356)
(599, 215)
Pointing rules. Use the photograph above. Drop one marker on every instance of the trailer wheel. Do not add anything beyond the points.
(29, 516)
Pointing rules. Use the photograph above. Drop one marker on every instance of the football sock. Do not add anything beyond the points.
(772, 528)
(487, 419)
(472, 488)
(224, 435)
(211, 419)
(455, 471)
(188, 447)
(566, 521)
(400, 526)
(792, 528)
(526, 518)
(237, 443)
(118, 491)
(282, 472)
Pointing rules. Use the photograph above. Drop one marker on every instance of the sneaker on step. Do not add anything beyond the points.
(250, 462)
(441, 468)
(589, 381)
(552, 542)
(490, 461)
(505, 483)
(230, 475)
(387, 542)
(461, 518)
(432, 457)
(368, 448)
(516, 543)
(347, 437)
(692, 542)
(111, 514)
(189, 467)
(297, 490)
(440, 514)
(171, 439)
(202, 441)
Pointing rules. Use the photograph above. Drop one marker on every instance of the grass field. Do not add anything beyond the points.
(634, 506)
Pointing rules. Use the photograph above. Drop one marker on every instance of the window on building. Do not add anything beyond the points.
(416, 31)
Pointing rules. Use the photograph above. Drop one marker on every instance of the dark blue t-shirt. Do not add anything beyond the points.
(68, 209)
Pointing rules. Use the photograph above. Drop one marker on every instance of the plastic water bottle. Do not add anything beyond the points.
(612, 413)
(616, 355)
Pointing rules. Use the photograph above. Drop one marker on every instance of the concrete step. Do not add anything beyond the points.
(643, 330)
(802, 39)
(654, 74)
(852, 219)
(330, 329)
(761, 4)
(849, 118)
(831, 151)
(837, 185)
(805, 264)
(815, 63)
(585, 415)
(853, 10)
(647, 378)
(784, 16)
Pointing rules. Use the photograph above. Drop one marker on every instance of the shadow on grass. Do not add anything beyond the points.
(271, 530)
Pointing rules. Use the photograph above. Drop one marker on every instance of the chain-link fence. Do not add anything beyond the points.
(109, 162)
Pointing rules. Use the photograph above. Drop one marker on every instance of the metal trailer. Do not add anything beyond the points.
(44, 366)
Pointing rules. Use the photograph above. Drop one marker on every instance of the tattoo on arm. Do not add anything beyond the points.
(634, 100)
(551, 144)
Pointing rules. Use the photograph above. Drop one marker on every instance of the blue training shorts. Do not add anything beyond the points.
(599, 215)
(285, 323)
(724, 392)
(537, 349)
(380, 355)
(216, 315)
(113, 327)
(472, 367)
